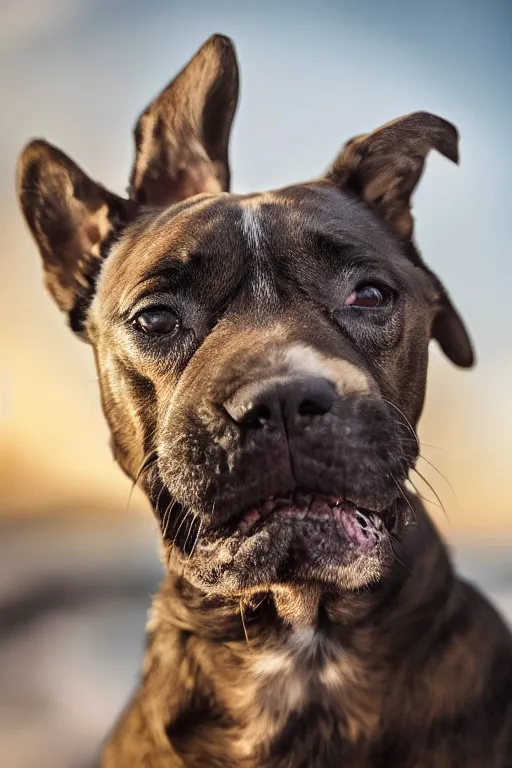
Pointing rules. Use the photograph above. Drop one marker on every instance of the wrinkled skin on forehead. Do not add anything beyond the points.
(251, 272)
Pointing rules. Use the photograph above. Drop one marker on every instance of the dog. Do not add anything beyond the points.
(262, 360)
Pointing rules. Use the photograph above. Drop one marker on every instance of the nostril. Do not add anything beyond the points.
(252, 406)
(315, 398)
(310, 407)
(256, 416)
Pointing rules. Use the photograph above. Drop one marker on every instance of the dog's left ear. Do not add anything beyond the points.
(383, 168)
(448, 328)
(450, 333)
(182, 137)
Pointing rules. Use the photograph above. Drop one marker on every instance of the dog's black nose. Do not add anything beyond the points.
(280, 400)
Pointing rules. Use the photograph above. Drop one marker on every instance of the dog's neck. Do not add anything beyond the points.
(254, 665)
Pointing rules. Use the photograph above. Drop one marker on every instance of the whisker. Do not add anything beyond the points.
(433, 491)
(420, 442)
(401, 562)
(441, 474)
(180, 519)
(132, 488)
(243, 624)
(157, 502)
(167, 517)
(194, 518)
(402, 414)
(147, 462)
(164, 517)
(420, 496)
(404, 496)
(185, 513)
(255, 607)
(197, 538)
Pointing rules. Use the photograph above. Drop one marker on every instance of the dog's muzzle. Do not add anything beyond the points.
(284, 480)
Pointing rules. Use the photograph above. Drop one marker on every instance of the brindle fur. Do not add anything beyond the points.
(291, 647)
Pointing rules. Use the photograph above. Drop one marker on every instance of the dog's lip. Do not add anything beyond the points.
(303, 503)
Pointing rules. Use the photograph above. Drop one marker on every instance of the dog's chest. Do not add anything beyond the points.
(299, 705)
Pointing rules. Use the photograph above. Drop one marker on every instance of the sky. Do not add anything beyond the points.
(78, 73)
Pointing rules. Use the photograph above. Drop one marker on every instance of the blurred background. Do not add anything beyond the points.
(78, 556)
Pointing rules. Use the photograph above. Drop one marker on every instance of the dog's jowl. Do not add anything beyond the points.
(262, 361)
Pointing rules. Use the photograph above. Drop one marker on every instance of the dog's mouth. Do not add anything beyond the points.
(358, 524)
(297, 537)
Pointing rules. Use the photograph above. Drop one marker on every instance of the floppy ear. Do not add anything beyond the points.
(72, 219)
(382, 169)
(448, 328)
(182, 137)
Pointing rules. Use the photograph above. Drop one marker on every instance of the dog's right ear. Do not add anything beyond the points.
(182, 137)
(72, 219)
(181, 149)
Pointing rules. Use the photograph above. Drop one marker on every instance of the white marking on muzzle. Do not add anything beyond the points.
(347, 378)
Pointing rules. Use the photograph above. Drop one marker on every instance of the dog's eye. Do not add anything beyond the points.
(368, 297)
(157, 320)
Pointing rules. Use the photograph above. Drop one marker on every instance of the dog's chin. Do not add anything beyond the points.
(298, 539)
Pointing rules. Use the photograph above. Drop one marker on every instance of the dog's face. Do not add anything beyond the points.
(262, 358)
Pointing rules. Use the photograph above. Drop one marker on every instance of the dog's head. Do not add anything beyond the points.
(262, 358)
